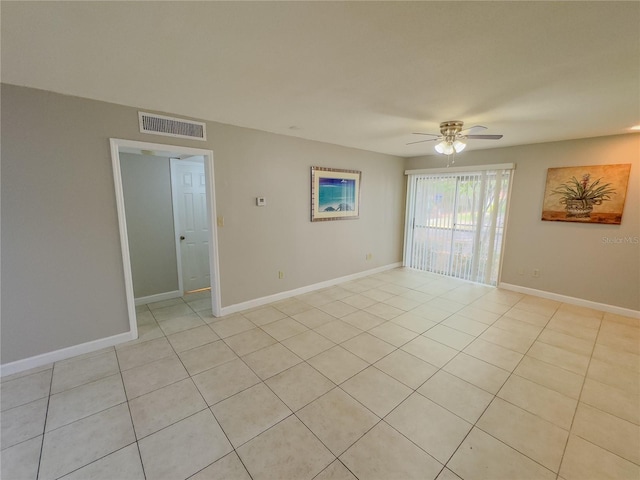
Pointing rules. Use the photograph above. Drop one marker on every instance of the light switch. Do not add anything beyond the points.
(261, 201)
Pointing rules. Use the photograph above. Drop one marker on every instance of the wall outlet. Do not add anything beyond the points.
(368, 256)
(536, 273)
(261, 201)
(280, 275)
(221, 221)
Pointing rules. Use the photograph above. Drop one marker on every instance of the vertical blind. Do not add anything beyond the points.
(455, 222)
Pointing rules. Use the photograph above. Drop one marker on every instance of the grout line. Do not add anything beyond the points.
(207, 407)
(338, 386)
(495, 395)
(133, 427)
(584, 380)
(46, 416)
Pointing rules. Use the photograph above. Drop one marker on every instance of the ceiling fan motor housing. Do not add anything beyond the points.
(452, 134)
(450, 129)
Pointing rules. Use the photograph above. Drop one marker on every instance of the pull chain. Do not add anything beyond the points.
(451, 155)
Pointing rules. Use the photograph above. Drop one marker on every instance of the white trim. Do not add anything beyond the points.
(407, 249)
(124, 238)
(469, 168)
(626, 312)
(257, 302)
(124, 241)
(176, 223)
(56, 356)
(214, 264)
(158, 297)
(63, 354)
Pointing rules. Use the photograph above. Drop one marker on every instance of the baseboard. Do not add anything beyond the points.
(57, 355)
(50, 357)
(626, 312)
(258, 302)
(158, 297)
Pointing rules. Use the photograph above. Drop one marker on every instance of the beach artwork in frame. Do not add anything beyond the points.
(590, 194)
(335, 194)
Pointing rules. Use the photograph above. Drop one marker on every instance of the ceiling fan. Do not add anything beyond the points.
(452, 137)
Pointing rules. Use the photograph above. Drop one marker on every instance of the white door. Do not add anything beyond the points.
(192, 227)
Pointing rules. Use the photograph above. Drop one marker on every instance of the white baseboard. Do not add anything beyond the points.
(626, 312)
(159, 297)
(57, 355)
(50, 357)
(258, 302)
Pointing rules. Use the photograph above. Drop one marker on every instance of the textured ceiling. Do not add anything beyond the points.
(359, 74)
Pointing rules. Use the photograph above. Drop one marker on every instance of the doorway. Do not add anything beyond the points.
(456, 220)
(207, 208)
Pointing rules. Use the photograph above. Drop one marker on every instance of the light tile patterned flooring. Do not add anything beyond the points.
(399, 375)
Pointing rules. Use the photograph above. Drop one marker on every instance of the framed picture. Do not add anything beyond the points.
(591, 194)
(335, 194)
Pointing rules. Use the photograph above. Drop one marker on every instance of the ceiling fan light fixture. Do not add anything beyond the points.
(445, 148)
(459, 146)
(452, 138)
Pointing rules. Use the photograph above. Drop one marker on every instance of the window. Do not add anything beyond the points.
(456, 220)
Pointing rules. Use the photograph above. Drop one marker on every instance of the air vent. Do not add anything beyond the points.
(171, 127)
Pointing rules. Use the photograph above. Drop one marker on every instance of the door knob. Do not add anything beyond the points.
(181, 237)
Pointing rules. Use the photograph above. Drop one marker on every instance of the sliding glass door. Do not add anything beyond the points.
(455, 221)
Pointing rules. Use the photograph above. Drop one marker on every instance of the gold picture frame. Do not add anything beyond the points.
(589, 194)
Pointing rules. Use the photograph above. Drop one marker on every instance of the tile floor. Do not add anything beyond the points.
(399, 375)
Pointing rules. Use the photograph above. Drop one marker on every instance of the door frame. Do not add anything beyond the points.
(409, 223)
(116, 145)
(176, 218)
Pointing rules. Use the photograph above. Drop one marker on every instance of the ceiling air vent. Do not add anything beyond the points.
(171, 127)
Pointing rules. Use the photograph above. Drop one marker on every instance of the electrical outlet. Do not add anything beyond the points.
(368, 256)
(221, 221)
(280, 275)
(536, 273)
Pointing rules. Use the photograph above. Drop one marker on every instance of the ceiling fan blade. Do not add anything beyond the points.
(422, 141)
(484, 137)
(430, 134)
(475, 127)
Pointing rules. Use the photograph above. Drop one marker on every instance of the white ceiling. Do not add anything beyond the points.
(359, 74)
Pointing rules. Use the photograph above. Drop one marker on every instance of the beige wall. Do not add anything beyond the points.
(592, 262)
(146, 184)
(257, 242)
(62, 275)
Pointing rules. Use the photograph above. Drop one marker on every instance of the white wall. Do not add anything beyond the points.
(62, 276)
(574, 259)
